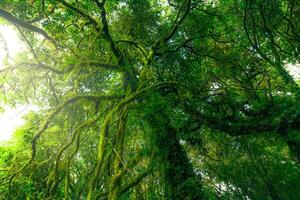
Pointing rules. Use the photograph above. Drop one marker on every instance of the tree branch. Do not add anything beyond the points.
(58, 109)
(83, 14)
(134, 182)
(105, 31)
(185, 8)
(99, 64)
(41, 66)
(9, 17)
(277, 65)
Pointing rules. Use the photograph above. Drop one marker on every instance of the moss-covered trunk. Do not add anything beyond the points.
(181, 182)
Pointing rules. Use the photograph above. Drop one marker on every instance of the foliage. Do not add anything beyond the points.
(177, 99)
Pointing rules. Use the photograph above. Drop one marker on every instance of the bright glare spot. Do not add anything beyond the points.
(10, 43)
(213, 3)
(164, 3)
(294, 70)
(11, 118)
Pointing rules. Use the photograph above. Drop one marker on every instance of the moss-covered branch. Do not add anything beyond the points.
(12, 19)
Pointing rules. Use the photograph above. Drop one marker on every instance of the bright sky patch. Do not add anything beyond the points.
(10, 118)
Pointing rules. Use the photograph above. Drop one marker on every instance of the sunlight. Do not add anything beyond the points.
(294, 70)
(10, 44)
(10, 118)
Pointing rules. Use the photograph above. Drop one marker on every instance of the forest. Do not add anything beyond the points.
(153, 99)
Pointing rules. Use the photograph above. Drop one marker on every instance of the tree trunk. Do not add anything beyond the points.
(181, 182)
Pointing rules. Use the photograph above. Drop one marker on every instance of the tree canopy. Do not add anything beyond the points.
(145, 99)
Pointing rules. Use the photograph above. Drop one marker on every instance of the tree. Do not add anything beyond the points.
(177, 99)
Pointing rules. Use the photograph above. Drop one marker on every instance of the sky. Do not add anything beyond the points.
(294, 70)
(14, 45)
(10, 118)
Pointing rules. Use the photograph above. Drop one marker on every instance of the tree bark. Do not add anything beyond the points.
(181, 182)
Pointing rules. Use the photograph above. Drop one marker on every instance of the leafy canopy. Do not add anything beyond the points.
(177, 99)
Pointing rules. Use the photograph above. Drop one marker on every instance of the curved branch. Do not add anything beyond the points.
(83, 14)
(105, 31)
(74, 134)
(106, 126)
(185, 8)
(101, 65)
(58, 109)
(138, 45)
(283, 72)
(134, 182)
(9, 17)
(42, 66)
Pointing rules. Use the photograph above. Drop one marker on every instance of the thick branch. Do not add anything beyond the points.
(68, 69)
(106, 126)
(63, 148)
(185, 8)
(72, 100)
(287, 123)
(83, 14)
(42, 66)
(9, 17)
(138, 45)
(134, 182)
(105, 30)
